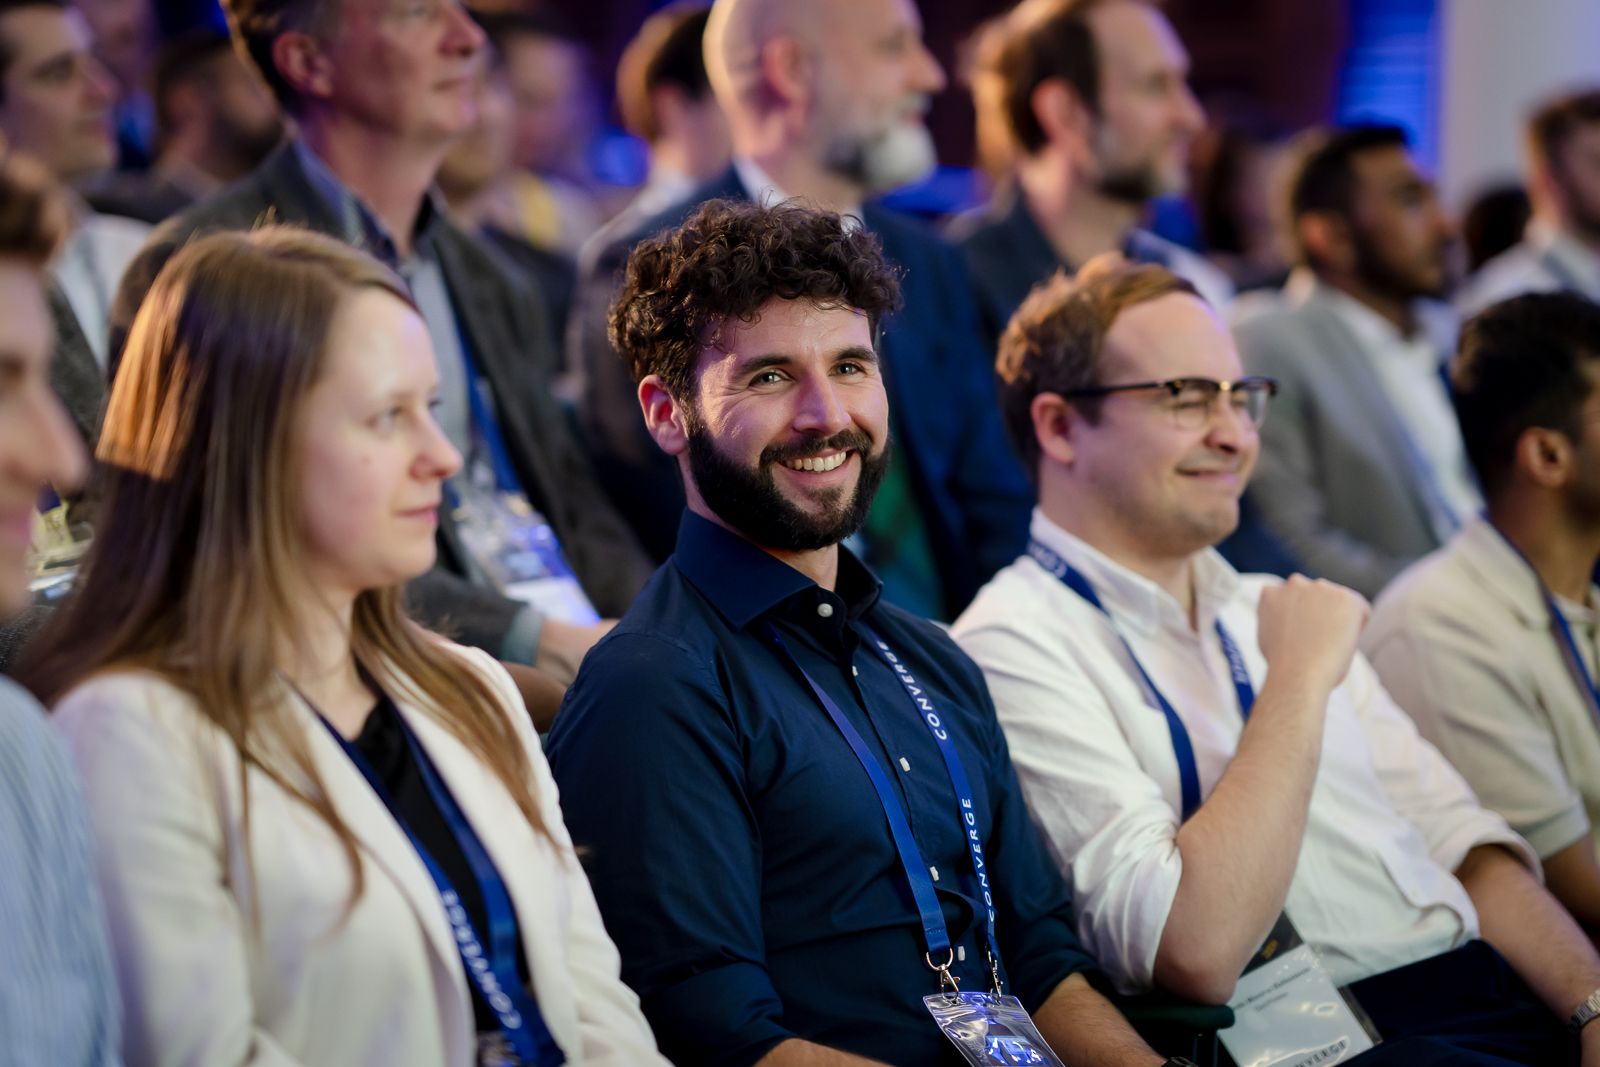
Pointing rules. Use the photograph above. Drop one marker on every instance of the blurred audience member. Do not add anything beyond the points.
(1362, 469)
(825, 104)
(1494, 222)
(1095, 97)
(125, 41)
(217, 123)
(1490, 642)
(531, 550)
(1235, 167)
(58, 998)
(739, 850)
(666, 101)
(309, 813)
(478, 180)
(1213, 765)
(556, 116)
(1562, 247)
(55, 105)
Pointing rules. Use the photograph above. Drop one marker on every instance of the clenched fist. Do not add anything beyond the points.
(1308, 628)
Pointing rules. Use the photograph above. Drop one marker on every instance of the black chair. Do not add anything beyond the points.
(1177, 1027)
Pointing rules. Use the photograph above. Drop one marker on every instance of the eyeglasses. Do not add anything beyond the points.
(1192, 400)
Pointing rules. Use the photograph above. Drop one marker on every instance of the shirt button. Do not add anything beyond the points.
(825, 609)
(855, 672)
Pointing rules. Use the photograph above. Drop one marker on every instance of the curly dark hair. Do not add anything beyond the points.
(727, 260)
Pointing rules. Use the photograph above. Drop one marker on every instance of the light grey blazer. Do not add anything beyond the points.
(1339, 483)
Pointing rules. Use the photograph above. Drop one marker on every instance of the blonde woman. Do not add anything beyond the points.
(325, 835)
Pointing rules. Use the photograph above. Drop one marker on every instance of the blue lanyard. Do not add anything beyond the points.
(935, 932)
(1182, 746)
(1566, 644)
(505, 475)
(493, 972)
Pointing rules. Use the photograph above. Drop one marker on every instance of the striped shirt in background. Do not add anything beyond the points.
(58, 1000)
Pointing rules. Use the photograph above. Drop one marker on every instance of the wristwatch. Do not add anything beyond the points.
(1585, 1013)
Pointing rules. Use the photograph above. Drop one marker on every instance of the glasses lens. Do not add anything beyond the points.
(1251, 397)
(1192, 403)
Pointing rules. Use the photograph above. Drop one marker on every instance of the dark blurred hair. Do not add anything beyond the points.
(33, 213)
(666, 51)
(726, 261)
(1323, 177)
(1554, 122)
(1522, 363)
(1040, 40)
(1494, 222)
(8, 54)
(1054, 342)
(186, 57)
(1217, 162)
(256, 24)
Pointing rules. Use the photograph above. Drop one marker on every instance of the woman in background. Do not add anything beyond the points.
(325, 835)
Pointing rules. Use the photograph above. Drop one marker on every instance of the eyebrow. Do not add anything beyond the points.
(858, 353)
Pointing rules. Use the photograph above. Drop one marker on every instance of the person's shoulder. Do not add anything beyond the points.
(1013, 601)
(122, 694)
(1438, 587)
(1513, 272)
(24, 731)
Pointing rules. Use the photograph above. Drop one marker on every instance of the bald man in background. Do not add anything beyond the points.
(825, 102)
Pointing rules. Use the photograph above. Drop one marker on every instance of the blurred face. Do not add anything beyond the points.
(372, 459)
(405, 66)
(57, 105)
(483, 153)
(1170, 490)
(124, 37)
(874, 77)
(38, 445)
(789, 430)
(1147, 117)
(1401, 235)
(554, 102)
(244, 118)
(1577, 176)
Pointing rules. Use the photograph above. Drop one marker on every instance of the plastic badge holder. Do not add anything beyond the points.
(1288, 1013)
(989, 1029)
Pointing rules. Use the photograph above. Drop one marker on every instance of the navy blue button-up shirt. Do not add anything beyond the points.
(740, 857)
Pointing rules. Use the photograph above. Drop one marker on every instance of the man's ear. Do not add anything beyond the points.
(1064, 117)
(1544, 457)
(1054, 423)
(663, 416)
(1326, 238)
(303, 64)
(787, 70)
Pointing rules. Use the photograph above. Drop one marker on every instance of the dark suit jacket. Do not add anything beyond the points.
(504, 326)
(974, 497)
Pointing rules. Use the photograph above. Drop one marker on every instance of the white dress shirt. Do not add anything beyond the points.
(1389, 819)
(1410, 371)
(89, 269)
(238, 941)
(1462, 639)
(1545, 260)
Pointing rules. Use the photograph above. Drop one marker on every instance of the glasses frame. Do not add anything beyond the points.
(1174, 387)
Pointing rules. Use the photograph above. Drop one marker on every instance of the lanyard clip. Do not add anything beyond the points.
(948, 983)
(994, 976)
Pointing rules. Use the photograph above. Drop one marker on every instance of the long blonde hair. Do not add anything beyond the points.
(197, 518)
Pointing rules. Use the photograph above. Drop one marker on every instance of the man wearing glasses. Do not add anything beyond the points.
(1219, 775)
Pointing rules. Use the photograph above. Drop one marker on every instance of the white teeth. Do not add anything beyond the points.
(818, 463)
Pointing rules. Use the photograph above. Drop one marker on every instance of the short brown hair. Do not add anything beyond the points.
(257, 24)
(1553, 123)
(33, 213)
(727, 260)
(1054, 342)
(667, 50)
(1040, 40)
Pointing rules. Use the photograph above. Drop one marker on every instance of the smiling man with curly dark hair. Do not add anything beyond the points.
(741, 854)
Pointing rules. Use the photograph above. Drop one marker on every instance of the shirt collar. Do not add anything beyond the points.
(1502, 569)
(358, 225)
(766, 192)
(1565, 249)
(1372, 330)
(743, 582)
(1133, 599)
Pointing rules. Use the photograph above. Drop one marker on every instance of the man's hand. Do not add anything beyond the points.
(1308, 628)
(541, 694)
(562, 646)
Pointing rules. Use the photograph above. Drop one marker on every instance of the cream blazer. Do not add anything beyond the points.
(313, 984)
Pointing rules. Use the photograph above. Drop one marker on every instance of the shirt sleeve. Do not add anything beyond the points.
(1490, 723)
(645, 750)
(1105, 821)
(1421, 784)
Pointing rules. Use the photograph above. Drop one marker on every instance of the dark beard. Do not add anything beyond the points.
(1131, 185)
(1383, 277)
(749, 500)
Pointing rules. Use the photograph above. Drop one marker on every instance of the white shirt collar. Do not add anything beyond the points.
(1372, 330)
(1131, 598)
(766, 192)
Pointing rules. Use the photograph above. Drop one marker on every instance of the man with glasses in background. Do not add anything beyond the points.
(1236, 803)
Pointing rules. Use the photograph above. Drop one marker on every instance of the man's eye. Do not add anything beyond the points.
(850, 368)
(767, 377)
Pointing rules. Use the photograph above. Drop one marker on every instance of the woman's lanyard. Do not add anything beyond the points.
(935, 933)
(1182, 746)
(1561, 632)
(493, 970)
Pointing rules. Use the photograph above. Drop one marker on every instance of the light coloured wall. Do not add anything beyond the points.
(1499, 59)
